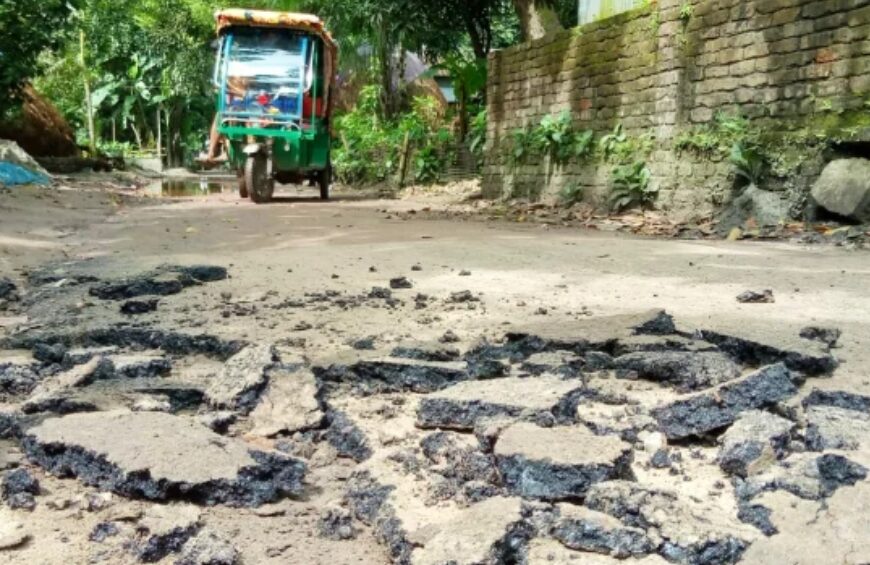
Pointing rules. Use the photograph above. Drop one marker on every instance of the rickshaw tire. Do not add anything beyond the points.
(324, 180)
(255, 168)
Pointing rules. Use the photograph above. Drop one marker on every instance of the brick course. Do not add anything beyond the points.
(656, 74)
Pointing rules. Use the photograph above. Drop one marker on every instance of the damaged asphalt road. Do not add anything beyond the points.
(214, 402)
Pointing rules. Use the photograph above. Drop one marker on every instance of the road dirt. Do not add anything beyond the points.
(272, 336)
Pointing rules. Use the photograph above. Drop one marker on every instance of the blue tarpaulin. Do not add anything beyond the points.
(12, 174)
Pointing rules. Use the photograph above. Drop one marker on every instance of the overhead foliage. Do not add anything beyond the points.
(27, 29)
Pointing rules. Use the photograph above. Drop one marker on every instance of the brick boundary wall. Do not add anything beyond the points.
(788, 65)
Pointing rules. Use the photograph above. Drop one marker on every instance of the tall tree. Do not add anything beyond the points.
(538, 17)
(26, 30)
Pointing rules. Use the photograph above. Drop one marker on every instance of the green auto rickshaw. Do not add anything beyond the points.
(275, 79)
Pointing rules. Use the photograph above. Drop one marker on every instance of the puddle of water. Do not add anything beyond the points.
(185, 188)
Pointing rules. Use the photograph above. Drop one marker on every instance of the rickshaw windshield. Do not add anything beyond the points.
(267, 72)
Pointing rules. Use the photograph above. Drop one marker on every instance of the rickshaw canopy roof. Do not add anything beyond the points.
(283, 20)
(280, 20)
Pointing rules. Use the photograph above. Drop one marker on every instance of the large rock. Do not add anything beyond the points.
(463, 405)
(763, 207)
(844, 188)
(718, 408)
(755, 441)
(289, 404)
(685, 370)
(243, 378)
(160, 457)
(559, 463)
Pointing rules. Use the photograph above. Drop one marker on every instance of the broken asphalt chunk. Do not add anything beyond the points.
(379, 376)
(347, 439)
(830, 427)
(401, 283)
(242, 379)
(426, 352)
(559, 463)
(828, 336)
(163, 281)
(583, 529)
(464, 404)
(129, 337)
(753, 297)
(19, 489)
(755, 441)
(838, 399)
(688, 533)
(684, 370)
(290, 402)
(207, 548)
(798, 354)
(139, 307)
(492, 531)
(579, 336)
(164, 530)
(807, 475)
(160, 457)
(718, 408)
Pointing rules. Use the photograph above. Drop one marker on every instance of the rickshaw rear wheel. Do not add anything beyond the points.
(257, 180)
(324, 180)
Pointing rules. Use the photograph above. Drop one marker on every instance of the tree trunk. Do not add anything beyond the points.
(538, 18)
(89, 106)
(477, 42)
(159, 137)
(463, 113)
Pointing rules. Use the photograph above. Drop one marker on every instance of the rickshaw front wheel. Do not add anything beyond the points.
(324, 181)
(257, 180)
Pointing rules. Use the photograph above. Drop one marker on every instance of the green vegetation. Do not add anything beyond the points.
(687, 10)
(556, 138)
(28, 29)
(571, 194)
(631, 186)
(370, 148)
